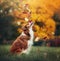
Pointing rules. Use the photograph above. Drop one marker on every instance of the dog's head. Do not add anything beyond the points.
(30, 24)
(27, 27)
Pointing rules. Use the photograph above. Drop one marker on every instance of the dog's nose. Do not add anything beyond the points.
(31, 24)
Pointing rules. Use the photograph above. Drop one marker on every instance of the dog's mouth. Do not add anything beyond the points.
(30, 23)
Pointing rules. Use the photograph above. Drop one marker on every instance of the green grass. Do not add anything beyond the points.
(37, 54)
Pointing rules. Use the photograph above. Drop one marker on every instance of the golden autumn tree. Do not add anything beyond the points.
(44, 24)
(40, 12)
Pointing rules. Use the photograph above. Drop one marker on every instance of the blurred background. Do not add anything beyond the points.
(45, 15)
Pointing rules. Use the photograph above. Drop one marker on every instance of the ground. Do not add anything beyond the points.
(37, 53)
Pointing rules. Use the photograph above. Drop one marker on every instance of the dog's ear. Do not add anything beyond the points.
(25, 28)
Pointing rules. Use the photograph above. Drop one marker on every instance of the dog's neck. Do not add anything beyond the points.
(31, 33)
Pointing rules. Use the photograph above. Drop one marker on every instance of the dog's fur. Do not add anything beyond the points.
(24, 42)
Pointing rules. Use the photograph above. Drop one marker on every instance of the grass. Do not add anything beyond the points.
(37, 54)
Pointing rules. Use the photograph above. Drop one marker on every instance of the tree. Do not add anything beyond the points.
(8, 30)
(56, 18)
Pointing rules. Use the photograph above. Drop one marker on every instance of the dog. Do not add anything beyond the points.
(24, 42)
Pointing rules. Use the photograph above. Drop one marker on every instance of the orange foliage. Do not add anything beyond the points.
(42, 10)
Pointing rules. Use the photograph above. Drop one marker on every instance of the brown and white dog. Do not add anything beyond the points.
(24, 42)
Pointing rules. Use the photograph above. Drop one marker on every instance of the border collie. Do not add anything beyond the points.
(24, 42)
